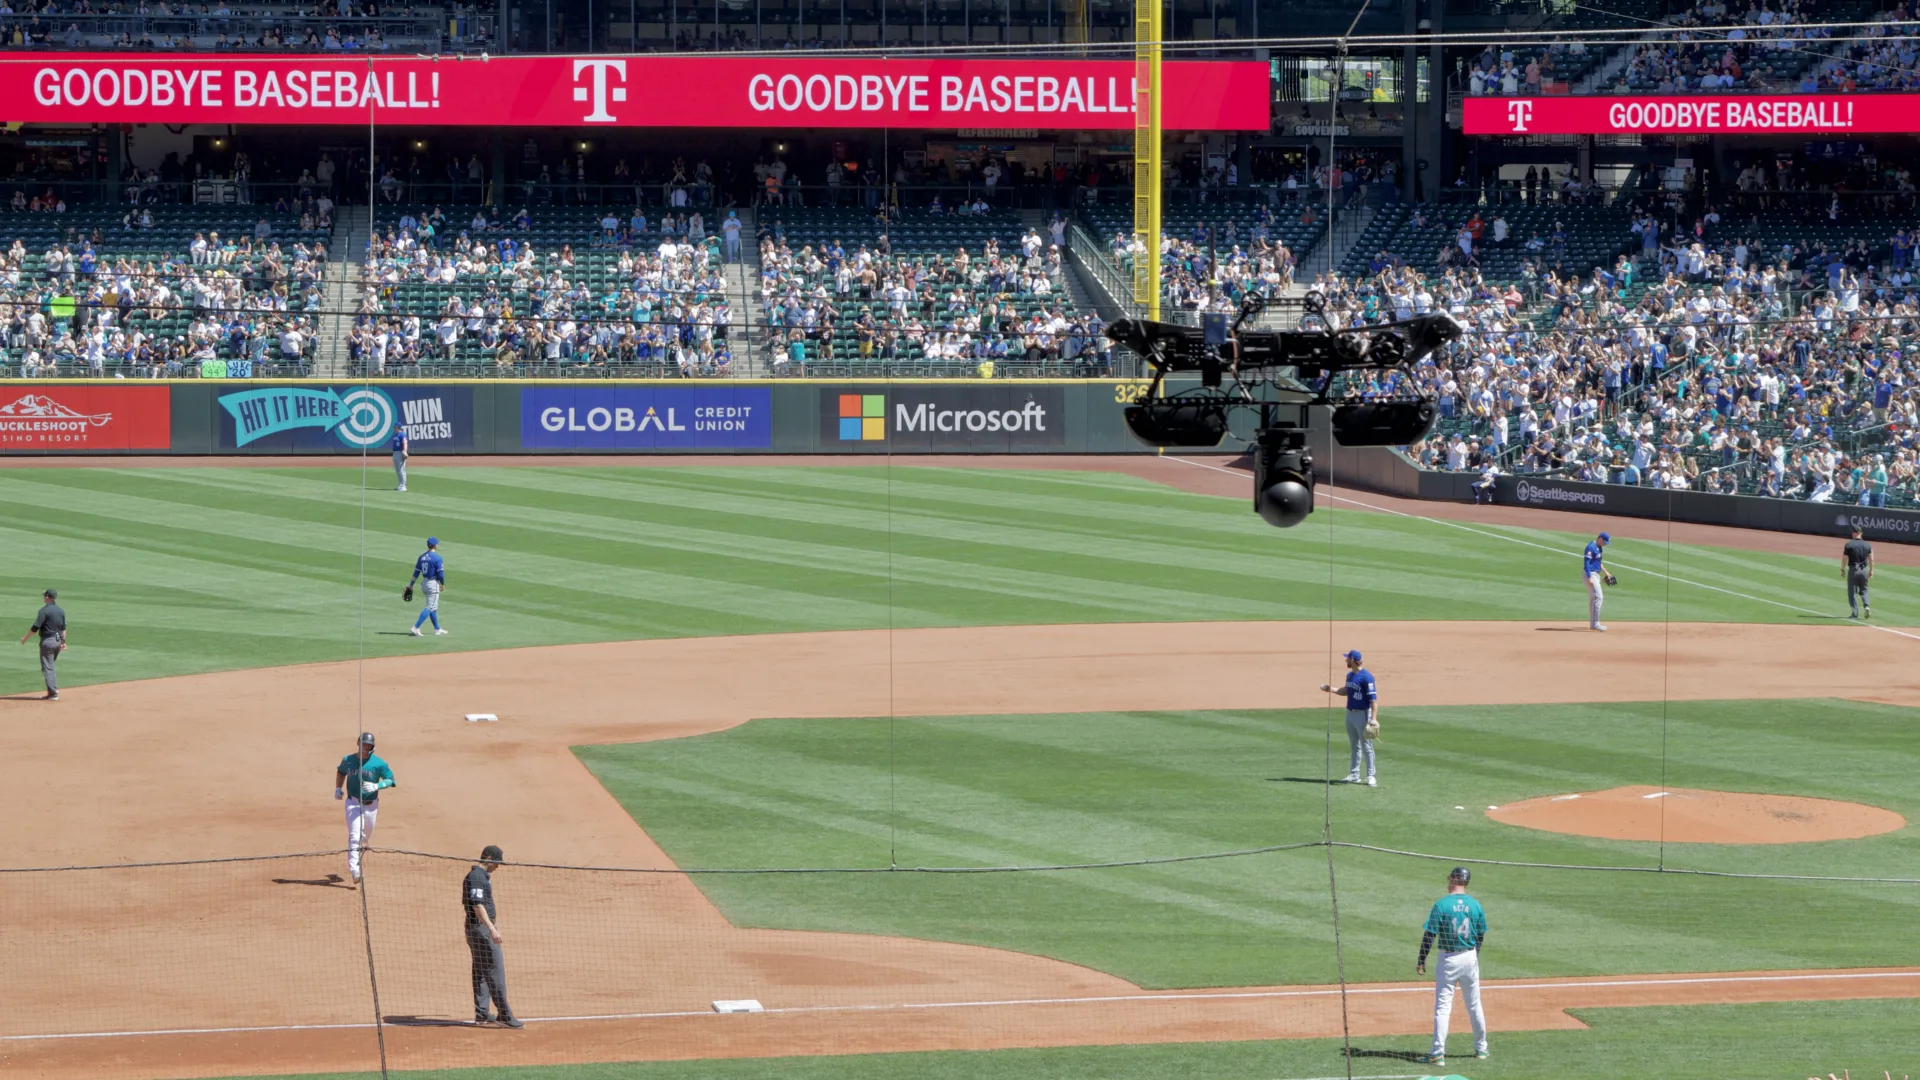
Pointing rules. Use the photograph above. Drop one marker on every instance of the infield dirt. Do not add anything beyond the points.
(239, 763)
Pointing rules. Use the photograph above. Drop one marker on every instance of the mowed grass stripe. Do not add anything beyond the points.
(1091, 788)
(1704, 1042)
(960, 568)
(595, 562)
(717, 557)
(265, 564)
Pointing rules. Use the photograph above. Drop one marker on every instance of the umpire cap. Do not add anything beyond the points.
(1460, 874)
(491, 853)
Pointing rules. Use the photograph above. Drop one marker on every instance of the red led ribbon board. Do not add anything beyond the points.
(1704, 114)
(625, 92)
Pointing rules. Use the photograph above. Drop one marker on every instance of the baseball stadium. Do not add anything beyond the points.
(942, 540)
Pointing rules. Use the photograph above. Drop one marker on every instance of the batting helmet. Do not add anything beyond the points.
(366, 738)
(1460, 874)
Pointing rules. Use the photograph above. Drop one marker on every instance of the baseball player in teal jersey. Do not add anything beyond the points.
(434, 569)
(360, 779)
(1459, 927)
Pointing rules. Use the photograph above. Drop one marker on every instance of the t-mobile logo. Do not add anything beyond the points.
(598, 92)
(1518, 112)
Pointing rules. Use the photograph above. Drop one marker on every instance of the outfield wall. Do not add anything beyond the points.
(1702, 508)
(1390, 472)
(561, 417)
(1066, 416)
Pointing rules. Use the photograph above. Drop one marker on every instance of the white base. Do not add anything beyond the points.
(481, 717)
(744, 1005)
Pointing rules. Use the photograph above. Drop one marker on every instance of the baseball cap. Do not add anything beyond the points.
(366, 738)
(51, 594)
(433, 541)
(1353, 654)
(1605, 538)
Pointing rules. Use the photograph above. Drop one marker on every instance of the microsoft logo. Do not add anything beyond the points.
(863, 417)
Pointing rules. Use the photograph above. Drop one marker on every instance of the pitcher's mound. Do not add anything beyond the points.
(1686, 816)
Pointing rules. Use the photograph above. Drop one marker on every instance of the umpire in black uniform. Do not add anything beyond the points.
(483, 941)
(51, 625)
(1856, 561)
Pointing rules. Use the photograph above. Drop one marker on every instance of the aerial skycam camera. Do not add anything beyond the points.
(1277, 374)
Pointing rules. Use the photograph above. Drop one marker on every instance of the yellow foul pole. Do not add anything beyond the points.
(1146, 156)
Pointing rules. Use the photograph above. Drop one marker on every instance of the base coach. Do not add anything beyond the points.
(483, 941)
(51, 625)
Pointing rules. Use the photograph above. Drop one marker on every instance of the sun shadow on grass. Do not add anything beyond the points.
(1395, 1055)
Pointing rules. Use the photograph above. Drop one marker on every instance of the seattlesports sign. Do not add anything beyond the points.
(637, 91)
(1803, 114)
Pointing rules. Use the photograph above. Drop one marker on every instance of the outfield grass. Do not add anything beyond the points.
(1788, 1041)
(1089, 788)
(168, 571)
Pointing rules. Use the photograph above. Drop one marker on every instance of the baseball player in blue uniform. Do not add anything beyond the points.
(1593, 561)
(400, 455)
(1363, 697)
(431, 571)
(1459, 927)
(359, 779)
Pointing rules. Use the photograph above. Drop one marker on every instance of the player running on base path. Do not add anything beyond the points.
(433, 569)
(1459, 927)
(1856, 561)
(360, 778)
(1593, 560)
(1363, 698)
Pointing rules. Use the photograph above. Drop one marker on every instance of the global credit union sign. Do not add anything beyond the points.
(646, 418)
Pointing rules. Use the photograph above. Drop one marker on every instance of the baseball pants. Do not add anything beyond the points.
(400, 469)
(433, 595)
(360, 819)
(1460, 969)
(50, 654)
(1856, 599)
(489, 973)
(1595, 597)
(1358, 743)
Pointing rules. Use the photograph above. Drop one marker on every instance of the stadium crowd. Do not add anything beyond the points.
(989, 308)
(341, 26)
(1210, 270)
(75, 310)
(1718, 374)
(1772, 45)
(628, 297)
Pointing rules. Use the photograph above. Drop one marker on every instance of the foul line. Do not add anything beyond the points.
(1203, 996)
(1560, 551)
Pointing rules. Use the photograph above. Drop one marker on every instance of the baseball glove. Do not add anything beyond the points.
(1372, 730)
(407, 594)
(1611, 580)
